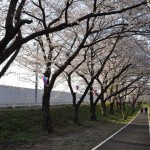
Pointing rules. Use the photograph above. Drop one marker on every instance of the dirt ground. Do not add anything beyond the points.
(85, 138)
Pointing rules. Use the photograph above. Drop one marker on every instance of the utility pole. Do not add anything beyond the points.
(36, 86)
(36, 76)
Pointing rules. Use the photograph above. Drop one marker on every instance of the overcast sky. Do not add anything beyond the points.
(21, 77)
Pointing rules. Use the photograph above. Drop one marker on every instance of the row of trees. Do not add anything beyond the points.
(102, 43)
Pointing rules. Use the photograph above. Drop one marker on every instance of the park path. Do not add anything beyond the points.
(134, 136)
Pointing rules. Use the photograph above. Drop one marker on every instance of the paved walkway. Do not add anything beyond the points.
(133, 137)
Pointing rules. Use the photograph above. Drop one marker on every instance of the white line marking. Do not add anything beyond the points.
(113, 134)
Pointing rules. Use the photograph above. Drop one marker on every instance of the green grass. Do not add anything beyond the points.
(20, 124)
(24, 124)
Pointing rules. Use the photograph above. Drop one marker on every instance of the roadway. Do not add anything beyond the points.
(134, 136)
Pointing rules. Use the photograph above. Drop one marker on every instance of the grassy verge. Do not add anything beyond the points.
(24, 125)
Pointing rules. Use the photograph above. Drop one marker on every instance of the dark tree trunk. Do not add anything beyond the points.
(91, 99)
(47, 120)
(103, 105)
(123, 106)
(74, 98)
(111, 108)
(124, 111)
(125, 115)
(93, 113)
(120, 104)
(117, 105)
(76, 114)
(133, 106)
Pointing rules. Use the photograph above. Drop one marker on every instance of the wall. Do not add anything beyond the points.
(16, 96)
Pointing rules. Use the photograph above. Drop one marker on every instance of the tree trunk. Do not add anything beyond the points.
(123, 106)
(124, 111)
(103, 108)
(117, 105)
(47, 120)
(111, 108)
(91, 99)
(74, 98)
(76, 114)
(124, 114)
(93, 113)
(133, 106)
(120, 104)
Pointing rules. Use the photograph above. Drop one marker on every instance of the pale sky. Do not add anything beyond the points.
(16, 76)
(21, 77)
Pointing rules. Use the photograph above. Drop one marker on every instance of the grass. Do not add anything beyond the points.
(24, 124)
(19, 125)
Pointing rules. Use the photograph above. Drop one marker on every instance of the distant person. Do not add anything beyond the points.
(141, 110)
(146, 110)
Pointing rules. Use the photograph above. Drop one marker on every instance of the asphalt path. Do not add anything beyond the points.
(134, 136)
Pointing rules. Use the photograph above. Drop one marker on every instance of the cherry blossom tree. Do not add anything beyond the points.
(52, 25)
